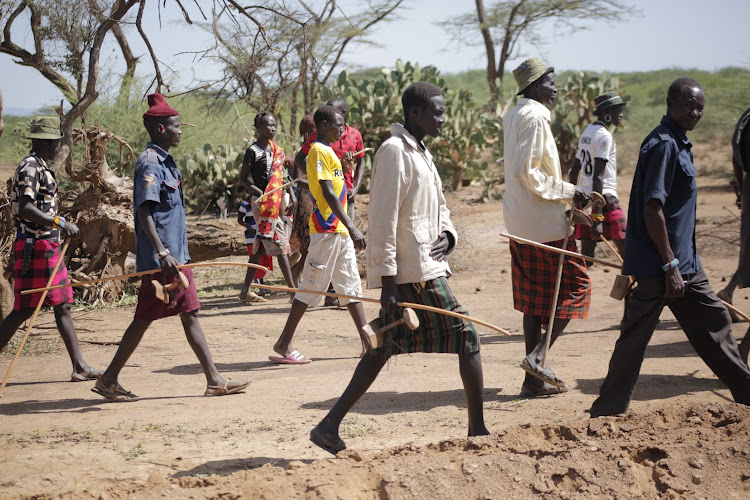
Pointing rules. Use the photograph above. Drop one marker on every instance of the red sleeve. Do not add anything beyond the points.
(306, 146)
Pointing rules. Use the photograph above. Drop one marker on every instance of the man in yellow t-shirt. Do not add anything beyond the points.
(331, 256)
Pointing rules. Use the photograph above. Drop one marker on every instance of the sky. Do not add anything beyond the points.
(668, 34)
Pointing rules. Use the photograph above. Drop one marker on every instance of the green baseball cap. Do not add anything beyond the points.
(530, 71)
(607, 100)
(45, 127)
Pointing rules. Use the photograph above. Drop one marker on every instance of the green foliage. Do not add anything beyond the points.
(375, 104)
(212, 170)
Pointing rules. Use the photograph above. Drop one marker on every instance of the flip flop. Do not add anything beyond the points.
(115, 393)
(252, 297)
(230, 387)
(91, 374)
(319, 441)
(293, 358)
(544, 374)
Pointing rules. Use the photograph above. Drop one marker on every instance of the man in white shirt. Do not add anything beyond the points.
(534, 206)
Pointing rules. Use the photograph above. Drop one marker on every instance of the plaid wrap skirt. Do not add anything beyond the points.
(45, 256)
(181, 301)
(534, 272)
(613, 227)
(437, 333)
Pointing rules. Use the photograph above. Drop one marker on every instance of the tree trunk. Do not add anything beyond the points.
(2, 124)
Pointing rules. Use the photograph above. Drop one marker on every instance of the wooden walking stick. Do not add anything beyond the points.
(560, 250)
(144, 273)
(33, 317)
(264, 195)
(613, 249)
(400, 304)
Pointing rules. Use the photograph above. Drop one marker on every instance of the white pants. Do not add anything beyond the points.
(330, 259)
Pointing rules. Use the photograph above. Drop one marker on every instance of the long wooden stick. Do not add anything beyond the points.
(560, 250)
(556, 295)
(144, 273)
(612, 248)
(376, 301)
(264, 195)
(33, 317)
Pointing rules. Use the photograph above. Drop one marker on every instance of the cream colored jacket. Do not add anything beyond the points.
(535, 195)
(407, 213)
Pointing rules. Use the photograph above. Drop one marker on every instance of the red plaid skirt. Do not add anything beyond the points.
(181, 301)
(46, 255)
(613, 227)
(534, 273)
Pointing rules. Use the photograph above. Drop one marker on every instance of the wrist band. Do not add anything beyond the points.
(163, 254)
(670, 265)
(61, 223)
(597, 217)
(55, 222)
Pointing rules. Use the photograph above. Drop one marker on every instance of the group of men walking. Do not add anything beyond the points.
(410, 235)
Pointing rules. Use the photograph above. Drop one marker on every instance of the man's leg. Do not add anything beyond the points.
(643, 305)
(470, 367)
(327, 431)
(283, 346)
(128, 343)
(358, 315)
(11, 324)
(197, 340)
(68, 333)
(707, 325)
(588, 247)
(536, 341)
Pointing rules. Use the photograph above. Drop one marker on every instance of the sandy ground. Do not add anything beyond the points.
(683, 437)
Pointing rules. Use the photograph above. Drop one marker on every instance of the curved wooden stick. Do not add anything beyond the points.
(560, 250)
(144, 273)
(33, 317)
(377, 301)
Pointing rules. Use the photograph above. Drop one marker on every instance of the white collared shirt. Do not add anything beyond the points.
(407, 213)
(535, 196)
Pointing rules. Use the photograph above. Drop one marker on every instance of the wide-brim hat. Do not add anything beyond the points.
(608, 100)
(45, 127)
(529, 71)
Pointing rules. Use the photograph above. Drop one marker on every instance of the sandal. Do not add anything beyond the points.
(115, 392)
(544, 374)
(91, 374)
(230, 387)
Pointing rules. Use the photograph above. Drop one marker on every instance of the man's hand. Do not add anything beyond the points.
(675, 287)
(360, 243)
(350, 194)
(580, 198)
(347, 162)
(69, 229)
(440, 247)
(389, 295)
(169, 267)
(596, 230)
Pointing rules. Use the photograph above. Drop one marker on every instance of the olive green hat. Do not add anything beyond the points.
(45, 127)
(530, 71)
(607, 100)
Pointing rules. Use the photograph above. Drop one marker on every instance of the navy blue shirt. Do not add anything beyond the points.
(665, 172)
(158, 180)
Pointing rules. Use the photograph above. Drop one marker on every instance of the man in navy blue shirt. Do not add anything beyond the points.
(660, 254)
(161, 243)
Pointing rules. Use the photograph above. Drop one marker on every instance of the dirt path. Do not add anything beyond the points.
(682, 438)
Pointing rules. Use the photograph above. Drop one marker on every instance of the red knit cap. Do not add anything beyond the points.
(157, 106)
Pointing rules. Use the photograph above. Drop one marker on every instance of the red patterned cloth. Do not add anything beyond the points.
(269, 226)
(181, 301)
(46, 255)
(534, 272)
(613, 227)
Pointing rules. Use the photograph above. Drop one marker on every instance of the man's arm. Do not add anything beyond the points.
(28, 210)
(357, 179)
(300, 164)
(330, 196)
(574, 170)
(597, 185)
(656, 226)
(246, 175)
(168, 264)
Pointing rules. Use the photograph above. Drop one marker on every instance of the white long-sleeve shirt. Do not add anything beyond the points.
(407, 213)
(535, 196)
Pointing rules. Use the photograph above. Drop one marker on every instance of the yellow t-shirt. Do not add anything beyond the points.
(324, 165)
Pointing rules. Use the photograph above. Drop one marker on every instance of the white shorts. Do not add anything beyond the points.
(330, 259)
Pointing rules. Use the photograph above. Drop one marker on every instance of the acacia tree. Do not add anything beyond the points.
(507, 23)
(274, 50)
(2, 124)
